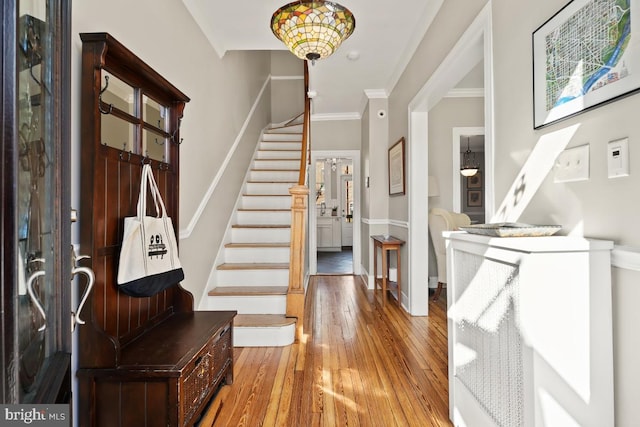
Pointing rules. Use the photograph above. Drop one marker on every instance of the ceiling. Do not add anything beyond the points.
(384, 39)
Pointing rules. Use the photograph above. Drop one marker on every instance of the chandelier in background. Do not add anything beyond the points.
(469, 165)
(312, 30)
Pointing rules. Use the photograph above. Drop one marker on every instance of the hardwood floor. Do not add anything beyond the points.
(359, 365)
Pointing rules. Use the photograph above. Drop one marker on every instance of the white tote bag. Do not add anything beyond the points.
(149, 256)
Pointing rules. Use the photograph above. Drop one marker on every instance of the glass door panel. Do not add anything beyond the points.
(37, 199)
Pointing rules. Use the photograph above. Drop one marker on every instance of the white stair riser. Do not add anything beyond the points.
(280, 145)
(268, 187)
(262, 175)
(252, 277)
(265, 202)
(281, 137)
(256, 255)
(276, 164)
(260, 235)
(262, 304)
(244, 336)
(278, 154)
(264, 217)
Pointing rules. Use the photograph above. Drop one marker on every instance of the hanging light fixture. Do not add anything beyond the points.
(312, 30)
(469, 165)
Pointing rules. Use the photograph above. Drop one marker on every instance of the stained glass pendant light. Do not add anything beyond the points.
(312, 30)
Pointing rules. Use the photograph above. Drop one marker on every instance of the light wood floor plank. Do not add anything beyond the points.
(358, 364)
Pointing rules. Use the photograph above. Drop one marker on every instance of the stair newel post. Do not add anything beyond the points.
(296, 291)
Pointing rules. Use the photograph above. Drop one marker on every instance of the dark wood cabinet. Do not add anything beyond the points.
(150, 361)
(35, 273)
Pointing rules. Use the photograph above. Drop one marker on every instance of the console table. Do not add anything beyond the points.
(530, 331)
(386, 243)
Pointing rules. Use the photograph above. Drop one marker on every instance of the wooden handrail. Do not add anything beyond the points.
(306, 129)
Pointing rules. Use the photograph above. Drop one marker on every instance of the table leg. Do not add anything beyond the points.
(375, 269)
(385, 275)
(399, 278)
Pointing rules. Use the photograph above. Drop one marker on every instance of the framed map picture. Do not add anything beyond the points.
(586, 55)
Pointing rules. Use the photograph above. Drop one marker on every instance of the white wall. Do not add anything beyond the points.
(600, 207)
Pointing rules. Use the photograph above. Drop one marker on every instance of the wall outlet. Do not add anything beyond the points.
(572, 165)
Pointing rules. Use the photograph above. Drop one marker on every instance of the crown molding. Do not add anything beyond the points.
(376, 93)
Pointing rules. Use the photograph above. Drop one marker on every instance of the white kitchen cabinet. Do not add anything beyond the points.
(329, 233)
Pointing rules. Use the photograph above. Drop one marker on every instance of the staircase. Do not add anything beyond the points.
(254, 275)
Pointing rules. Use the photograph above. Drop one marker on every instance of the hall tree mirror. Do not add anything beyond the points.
(36, 215)
(127, 110)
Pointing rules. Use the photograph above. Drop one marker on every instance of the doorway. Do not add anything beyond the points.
(469, 193)
(334, 213)
(472, 47)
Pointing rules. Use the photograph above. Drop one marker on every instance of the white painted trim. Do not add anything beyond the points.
(471, 48)
(354, 156)
(376, 93)
(455, 146)
(401, 224)
(626, 257)
(387, 222)
(335, 117)
(465, 93)
(287, 77)
(186, 233)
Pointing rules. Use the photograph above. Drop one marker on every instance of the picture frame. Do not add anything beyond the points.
(474, 198)
(475, 181)
(570, 78)
(396, 168)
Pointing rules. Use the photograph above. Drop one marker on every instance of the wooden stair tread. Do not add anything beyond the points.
(257, 245)
(254, 266)
(261, 226)
(248, 290)
(262, 320)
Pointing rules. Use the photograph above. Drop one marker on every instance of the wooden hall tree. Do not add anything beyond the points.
(152, 360)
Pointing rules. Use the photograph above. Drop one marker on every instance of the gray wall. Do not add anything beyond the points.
(327, 135)
(222, 90)
(600, 207)
(287, 100)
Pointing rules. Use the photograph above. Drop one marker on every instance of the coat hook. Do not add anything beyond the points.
(106, 85)
(175, 132)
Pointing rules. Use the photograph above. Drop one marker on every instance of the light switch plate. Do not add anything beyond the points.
(618, 158)
(572, 165)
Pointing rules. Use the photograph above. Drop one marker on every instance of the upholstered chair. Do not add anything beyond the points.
(442, 220)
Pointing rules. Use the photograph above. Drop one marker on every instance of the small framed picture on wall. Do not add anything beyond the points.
(474, 198)
(475, 181)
